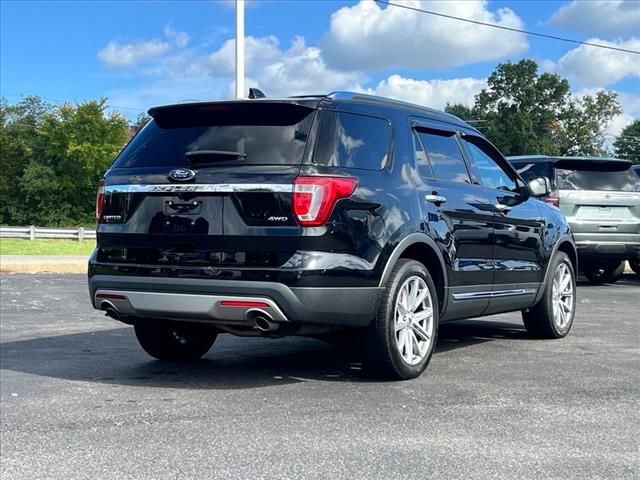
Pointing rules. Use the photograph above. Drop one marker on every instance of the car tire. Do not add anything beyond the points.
(635, 266)
(552, 316)
(604, 273)
(174, 341)
(400, 341)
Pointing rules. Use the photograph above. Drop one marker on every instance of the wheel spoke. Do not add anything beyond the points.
(566, 281)
(423, 315)
(419, 299)
(401, 338)
(413, 294)
(420, 332)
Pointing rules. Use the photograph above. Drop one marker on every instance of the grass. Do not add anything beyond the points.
(17, 246)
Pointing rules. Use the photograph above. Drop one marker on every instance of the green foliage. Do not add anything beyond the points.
(52, 159)
(525, 112)
(17, 246)
(627, 145)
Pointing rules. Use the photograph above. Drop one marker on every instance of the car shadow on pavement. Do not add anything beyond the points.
(114, 357)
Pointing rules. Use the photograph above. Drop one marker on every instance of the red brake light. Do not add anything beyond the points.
(315, 197)
(100, 200)
(552, 199)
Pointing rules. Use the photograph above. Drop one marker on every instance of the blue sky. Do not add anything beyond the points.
(140, 54)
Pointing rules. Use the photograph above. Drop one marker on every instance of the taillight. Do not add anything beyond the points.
(100, 200)
(552, 199)
(315, 197)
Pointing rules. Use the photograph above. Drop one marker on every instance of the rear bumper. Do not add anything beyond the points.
(610, 249)
(196, 299)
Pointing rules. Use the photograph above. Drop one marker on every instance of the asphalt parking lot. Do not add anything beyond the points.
(80, 399)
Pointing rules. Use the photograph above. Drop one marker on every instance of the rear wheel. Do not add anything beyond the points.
(174, 341)
(401, 339)
(609, 272)
(552, 316)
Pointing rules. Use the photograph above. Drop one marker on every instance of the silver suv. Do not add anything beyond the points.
(601, 199)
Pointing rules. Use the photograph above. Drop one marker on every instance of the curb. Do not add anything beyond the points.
(43, 264)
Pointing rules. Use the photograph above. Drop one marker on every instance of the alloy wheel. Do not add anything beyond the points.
(563, 297)
(413, 320)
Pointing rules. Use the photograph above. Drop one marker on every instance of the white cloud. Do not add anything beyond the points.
(116, 55)
(179, 39)
(430, 93)
(298, 70)
(597, 67)
(366, 36)
(599, 17)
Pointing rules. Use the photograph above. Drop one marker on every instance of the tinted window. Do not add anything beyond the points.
(422, 162)
(260, 134)
(491, 174)
(444, 156)
(625, 181)
(354, 141)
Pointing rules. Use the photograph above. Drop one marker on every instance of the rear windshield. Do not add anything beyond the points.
(625, 181)
(221, 134)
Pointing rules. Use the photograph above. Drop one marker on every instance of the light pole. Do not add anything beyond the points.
(240, 49)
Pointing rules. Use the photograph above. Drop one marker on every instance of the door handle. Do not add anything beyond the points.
(435, 198)
(502, 208)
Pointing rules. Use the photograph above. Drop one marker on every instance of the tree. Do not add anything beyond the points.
(525, 112)
(627, 144)
(52, 159)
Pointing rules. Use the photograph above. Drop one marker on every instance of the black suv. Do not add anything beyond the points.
(310, 215)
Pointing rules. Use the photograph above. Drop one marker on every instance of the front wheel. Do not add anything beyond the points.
(605, 273)
(401, 339)
(174, 341)
(552, 316)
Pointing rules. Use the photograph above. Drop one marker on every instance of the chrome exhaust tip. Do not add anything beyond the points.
(262, 320)
(110, 310)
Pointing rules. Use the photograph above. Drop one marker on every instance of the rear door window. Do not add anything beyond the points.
(225, 134)
(444, 156)
(352, 141)
(624, 181)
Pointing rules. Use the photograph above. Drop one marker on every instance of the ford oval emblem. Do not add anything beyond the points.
(182, 174)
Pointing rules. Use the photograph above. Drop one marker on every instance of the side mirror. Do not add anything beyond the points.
(540, 186)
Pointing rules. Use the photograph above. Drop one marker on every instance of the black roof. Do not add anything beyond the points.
(327, 100)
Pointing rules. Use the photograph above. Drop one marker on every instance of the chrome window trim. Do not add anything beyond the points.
(200, 187)
(494, 294)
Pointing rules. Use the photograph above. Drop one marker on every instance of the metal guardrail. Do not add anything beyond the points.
(31, 233)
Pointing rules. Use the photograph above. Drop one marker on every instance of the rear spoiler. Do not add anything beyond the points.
(238, 112)
(597, 164)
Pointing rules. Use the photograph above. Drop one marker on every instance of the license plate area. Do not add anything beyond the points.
(181, 208)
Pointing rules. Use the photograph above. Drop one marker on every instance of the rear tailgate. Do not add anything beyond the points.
(225, 204)
(603, 203)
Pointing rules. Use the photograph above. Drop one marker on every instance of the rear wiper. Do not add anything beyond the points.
(211, 154)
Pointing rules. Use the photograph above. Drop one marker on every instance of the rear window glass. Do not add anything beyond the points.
(444, 156)
(351, 140)
(221, 134)
(625, 181)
